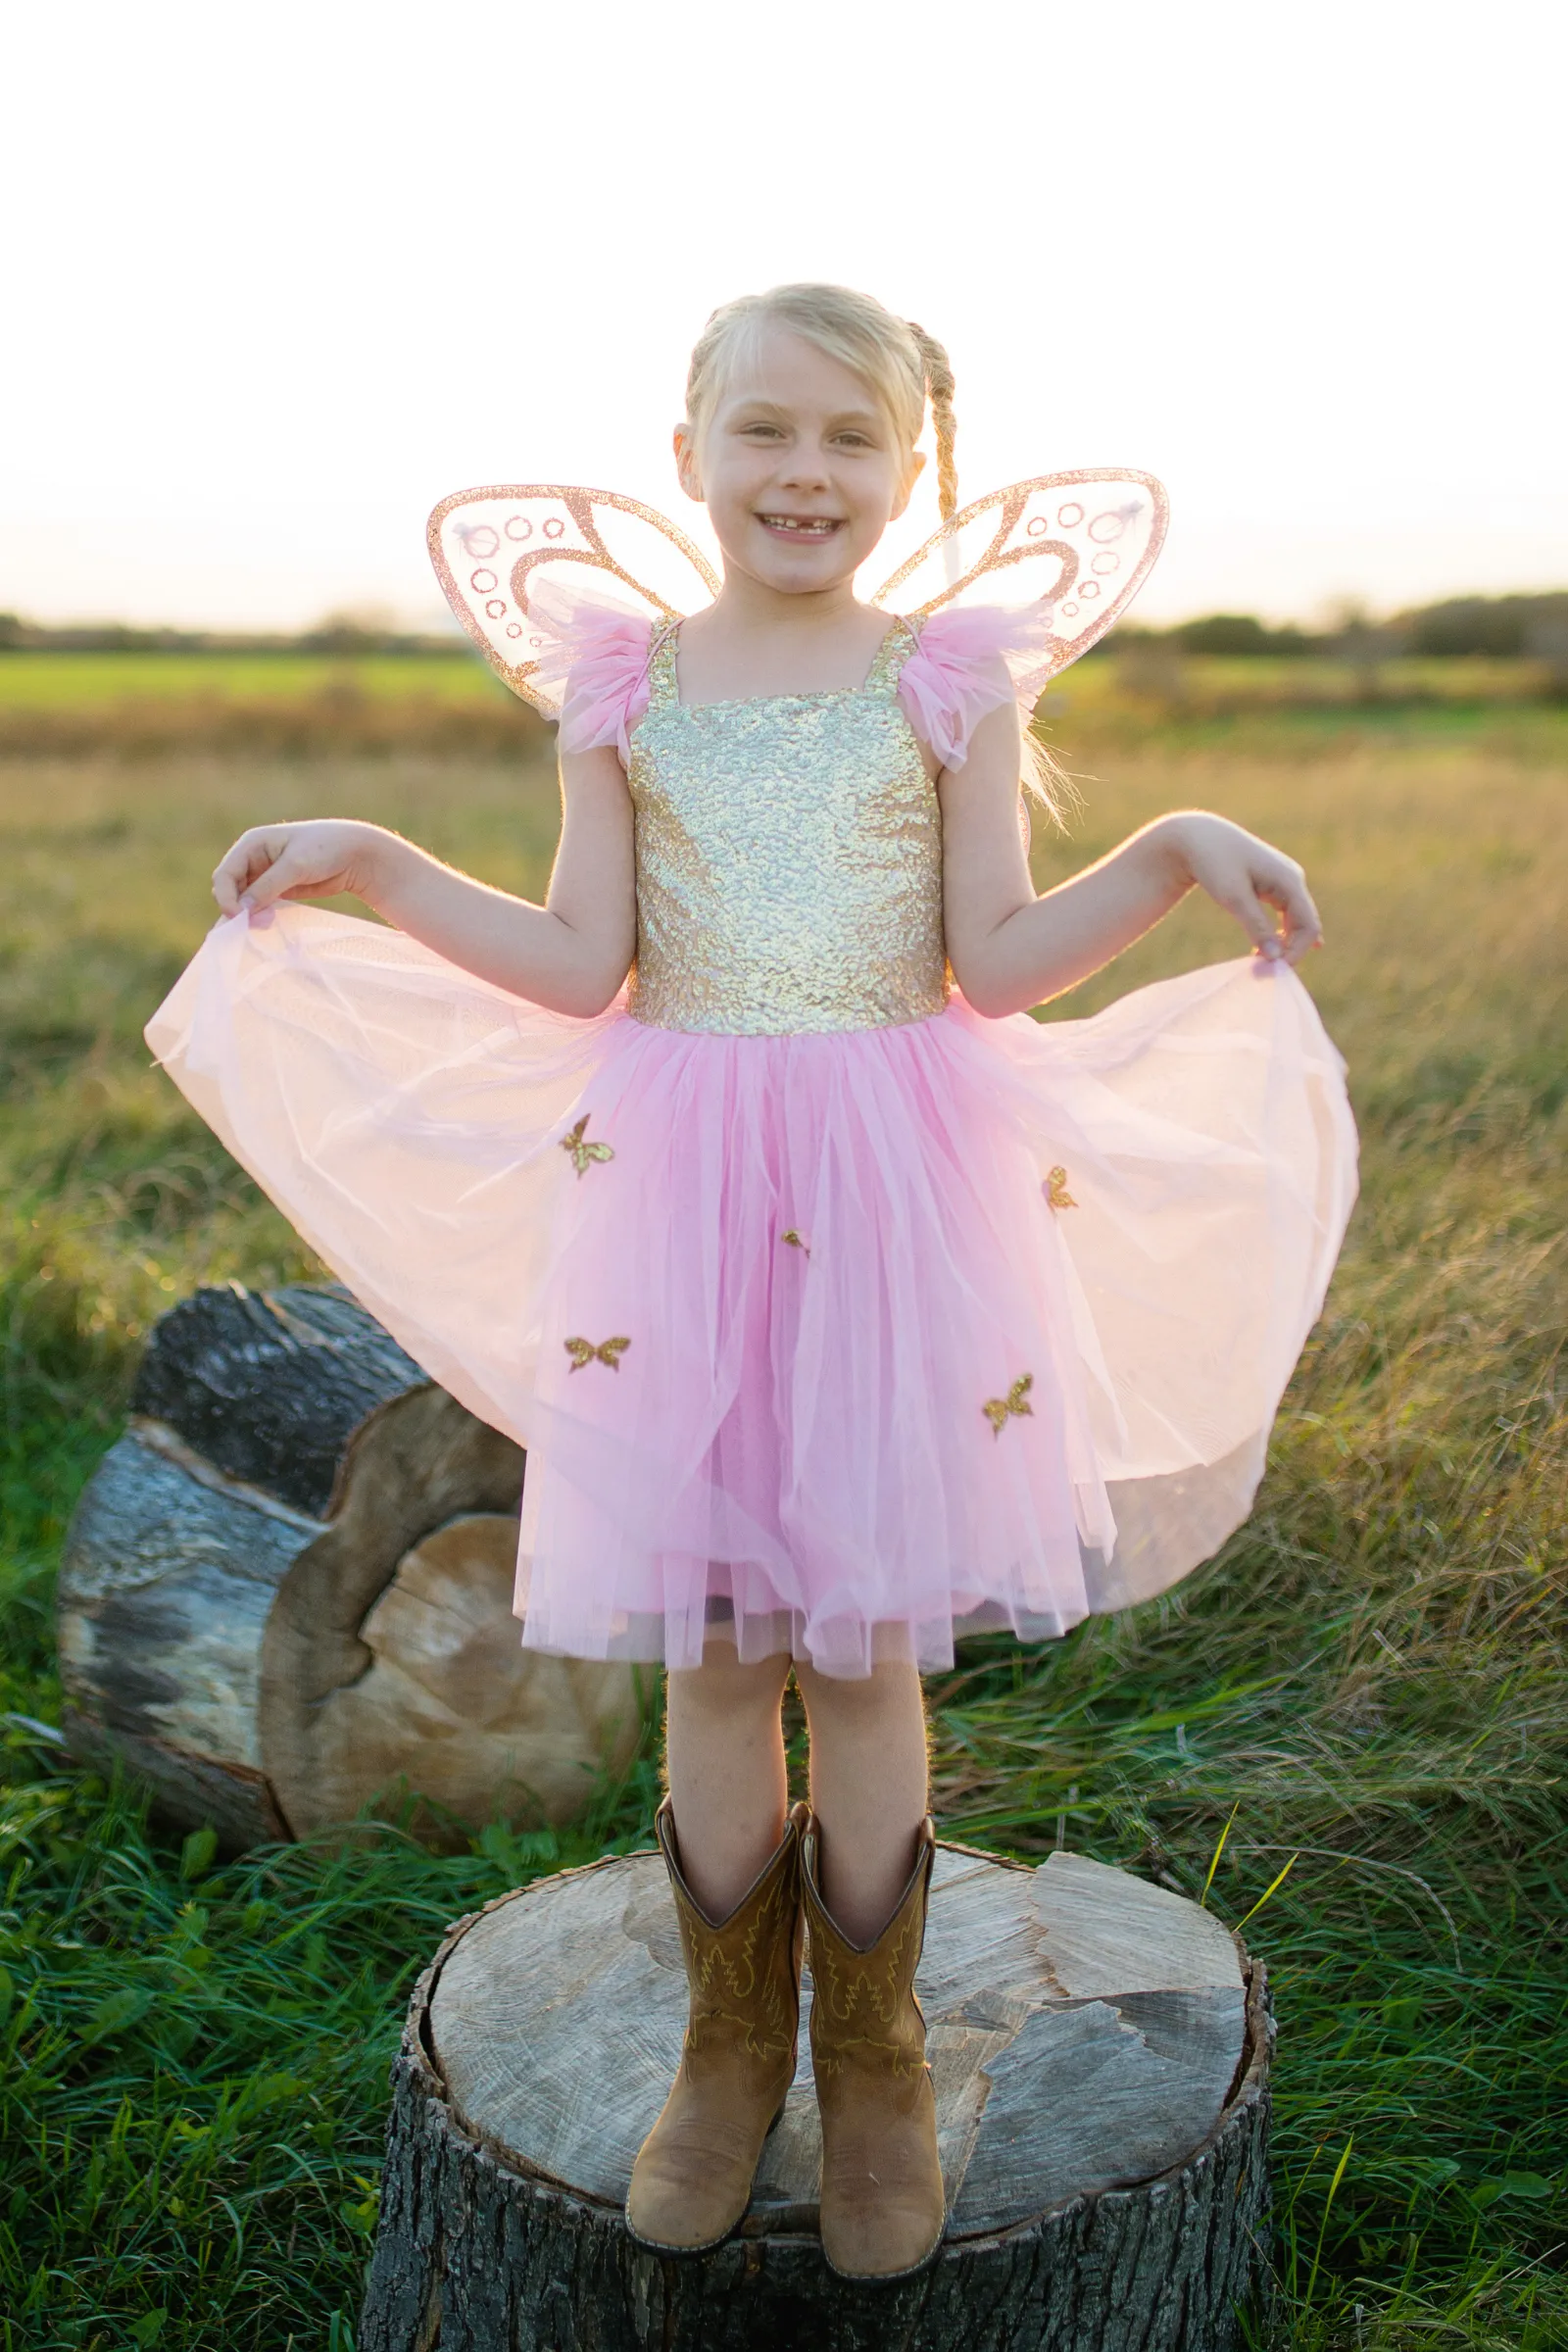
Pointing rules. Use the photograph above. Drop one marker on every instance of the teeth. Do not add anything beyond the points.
(818, 529)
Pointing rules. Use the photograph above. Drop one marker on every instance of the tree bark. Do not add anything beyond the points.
(270, 1386)
(287, 1591)
(1101, 2053)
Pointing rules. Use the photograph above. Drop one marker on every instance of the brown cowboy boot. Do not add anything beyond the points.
(692, 2181)
(883, 2210)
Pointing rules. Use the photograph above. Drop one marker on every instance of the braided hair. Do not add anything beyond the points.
(938, 371)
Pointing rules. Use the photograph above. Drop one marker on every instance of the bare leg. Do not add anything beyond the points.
(869, 1789)
(725, 1752)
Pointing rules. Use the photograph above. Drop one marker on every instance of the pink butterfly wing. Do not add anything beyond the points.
(1083, 542)
(490, 546)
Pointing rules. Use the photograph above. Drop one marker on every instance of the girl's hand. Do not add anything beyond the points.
(318, 859)
(1249, 879)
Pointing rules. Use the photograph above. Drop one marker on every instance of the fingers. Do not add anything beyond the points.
(1302, 927)
(236, 873)
(267, 864)
(1278, 913)
(1258, 922)
(1247, 903)
(287, 872)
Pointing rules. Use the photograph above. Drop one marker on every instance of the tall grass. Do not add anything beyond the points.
(1366, 1694)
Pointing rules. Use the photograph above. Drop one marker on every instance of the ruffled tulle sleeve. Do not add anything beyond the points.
(971, 660)
(597, 652)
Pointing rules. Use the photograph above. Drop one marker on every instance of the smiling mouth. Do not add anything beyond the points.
(802, 526)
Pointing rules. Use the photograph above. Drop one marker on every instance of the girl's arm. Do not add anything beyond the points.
(570, 954)
(1010, 948)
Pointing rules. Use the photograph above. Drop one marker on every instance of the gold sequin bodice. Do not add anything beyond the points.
(789, 860)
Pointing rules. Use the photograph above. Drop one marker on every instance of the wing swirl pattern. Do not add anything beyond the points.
(1100, 530)
(489, 548)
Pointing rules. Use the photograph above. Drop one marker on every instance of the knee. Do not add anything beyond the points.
(724, 1688)
(888, 1696)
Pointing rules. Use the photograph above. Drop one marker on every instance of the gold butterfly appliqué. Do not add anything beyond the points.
(608, 1351)
(583, 1153)
(998, 1408)
(796, 1241)
(1057, 1193)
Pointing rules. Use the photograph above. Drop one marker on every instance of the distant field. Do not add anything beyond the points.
(142, 704)
(1370, 1686)
(1156, 671)
(145, 704)
(69, 681)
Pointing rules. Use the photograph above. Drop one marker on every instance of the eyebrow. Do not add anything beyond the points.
(755, 402)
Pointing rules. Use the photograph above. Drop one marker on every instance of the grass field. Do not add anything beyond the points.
(138, 706)
(131, 704)
(1370, 1685)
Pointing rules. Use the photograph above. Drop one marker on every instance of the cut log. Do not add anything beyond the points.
(271, 1387)
(287, 1591)
(1100, 2051)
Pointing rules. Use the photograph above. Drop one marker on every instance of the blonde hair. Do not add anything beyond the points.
(905, 368)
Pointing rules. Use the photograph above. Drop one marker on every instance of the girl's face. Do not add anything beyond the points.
(798, 467)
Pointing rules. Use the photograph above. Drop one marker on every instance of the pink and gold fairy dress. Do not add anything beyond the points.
(835, 1318)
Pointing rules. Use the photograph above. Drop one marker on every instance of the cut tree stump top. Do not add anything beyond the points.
(1084, 2027)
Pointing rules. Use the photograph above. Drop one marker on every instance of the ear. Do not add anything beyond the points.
(917, 468)
(685, 446)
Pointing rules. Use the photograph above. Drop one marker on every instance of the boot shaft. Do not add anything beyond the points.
(744, 1971)
(865, 2013)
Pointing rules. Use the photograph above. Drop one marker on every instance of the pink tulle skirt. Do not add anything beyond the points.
(837, 1344)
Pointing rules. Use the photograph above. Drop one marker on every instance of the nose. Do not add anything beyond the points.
(806, 468)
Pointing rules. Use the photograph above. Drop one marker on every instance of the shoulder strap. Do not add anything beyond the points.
(664, 689)
(901, 641)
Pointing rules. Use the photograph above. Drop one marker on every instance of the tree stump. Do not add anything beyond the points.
(288, 1589)
(1100, 2051)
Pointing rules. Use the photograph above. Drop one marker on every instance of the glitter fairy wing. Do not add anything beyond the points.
(516, 561)
(1072, 550)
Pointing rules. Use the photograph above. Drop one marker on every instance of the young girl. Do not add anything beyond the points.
(841, 1308)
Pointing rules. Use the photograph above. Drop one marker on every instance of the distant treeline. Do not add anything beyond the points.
(1531, 629)
(351, 639)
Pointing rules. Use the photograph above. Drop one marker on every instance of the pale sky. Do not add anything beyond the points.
(277, 278)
